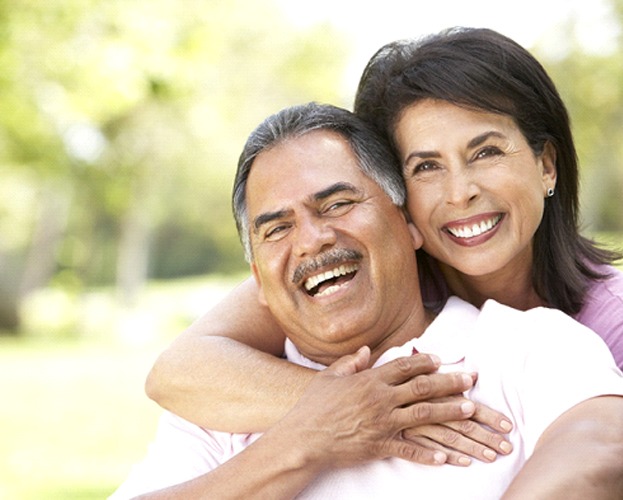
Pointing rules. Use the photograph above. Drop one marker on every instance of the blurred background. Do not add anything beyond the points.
(120, 125)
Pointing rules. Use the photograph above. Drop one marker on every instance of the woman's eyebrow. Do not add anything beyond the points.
(422, 155)
(476, 141)
(479, 139)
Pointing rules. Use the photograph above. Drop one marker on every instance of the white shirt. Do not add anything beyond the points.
(527, 364)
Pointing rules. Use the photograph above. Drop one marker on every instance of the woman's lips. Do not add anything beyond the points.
(474, 230)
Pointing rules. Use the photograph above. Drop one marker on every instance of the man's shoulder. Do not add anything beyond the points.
(533, 323)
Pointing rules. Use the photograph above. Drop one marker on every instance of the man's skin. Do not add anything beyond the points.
(459, 436)
(579, 473)
(299, 214)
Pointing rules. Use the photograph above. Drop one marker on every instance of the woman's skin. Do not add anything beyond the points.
(476, 191)
(213, 391)
(461, 168)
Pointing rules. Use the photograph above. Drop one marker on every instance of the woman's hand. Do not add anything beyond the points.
(480, 437)
(350, 414)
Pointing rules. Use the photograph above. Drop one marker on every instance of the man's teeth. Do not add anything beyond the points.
(476, 229)
(314, 281)
(327, 291)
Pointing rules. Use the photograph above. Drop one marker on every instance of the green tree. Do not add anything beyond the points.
(591, 86)
(121, 124)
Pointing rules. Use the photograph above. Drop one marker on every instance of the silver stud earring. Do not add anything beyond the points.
(550, 192)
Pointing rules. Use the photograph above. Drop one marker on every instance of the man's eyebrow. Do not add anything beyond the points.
(338, 187)
(323, 194)
(267, 217)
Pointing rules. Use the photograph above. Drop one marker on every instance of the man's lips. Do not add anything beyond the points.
(325, 283)
(473, 227)
(327, 272)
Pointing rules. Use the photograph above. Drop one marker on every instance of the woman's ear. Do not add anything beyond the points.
(416, 236)
(548, 161)
(256, 275)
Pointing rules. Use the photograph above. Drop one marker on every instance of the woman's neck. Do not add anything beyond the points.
(509, 287)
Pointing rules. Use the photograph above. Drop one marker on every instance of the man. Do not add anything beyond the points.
(318, 204)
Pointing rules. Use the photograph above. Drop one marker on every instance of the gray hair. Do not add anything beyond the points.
(373, 154)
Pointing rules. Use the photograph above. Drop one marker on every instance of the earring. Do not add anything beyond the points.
(550, 192)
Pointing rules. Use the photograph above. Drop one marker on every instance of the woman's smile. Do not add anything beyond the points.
(476, 189)
(474, 230)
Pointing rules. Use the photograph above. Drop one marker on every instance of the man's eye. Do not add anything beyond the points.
(339, 207)
(275, 232)
(340, 204)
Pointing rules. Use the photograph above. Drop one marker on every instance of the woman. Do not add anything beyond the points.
(483, 71)
(500, 113)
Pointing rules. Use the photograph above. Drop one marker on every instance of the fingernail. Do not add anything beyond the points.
(467, 380)
(440, 457)
(506, 447)
(435, 359)
(490, 454)
(464, 461)
(467, 407)
(506, 426)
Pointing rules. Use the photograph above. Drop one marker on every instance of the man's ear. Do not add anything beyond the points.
(256, 275)
(416, 236)
(548, 160)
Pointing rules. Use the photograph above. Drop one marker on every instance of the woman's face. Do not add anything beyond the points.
(475, 188)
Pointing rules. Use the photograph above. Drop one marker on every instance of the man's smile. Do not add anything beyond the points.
(328, 282)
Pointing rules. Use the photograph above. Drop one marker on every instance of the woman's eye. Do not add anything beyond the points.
(488, 152)
(424, 166)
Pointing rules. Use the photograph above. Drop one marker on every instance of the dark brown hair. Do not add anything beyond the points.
(482, 69)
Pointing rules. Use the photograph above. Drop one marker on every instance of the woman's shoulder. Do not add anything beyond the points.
(609, 288)
(602, 311)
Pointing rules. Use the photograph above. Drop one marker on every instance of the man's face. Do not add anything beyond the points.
(333, 255)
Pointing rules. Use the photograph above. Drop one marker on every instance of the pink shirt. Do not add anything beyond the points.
(603, 311)
(520, 374)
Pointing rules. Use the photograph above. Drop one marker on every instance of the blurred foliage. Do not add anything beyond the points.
(121, 122)
(120, 126)
(75, 416)
(591, 85)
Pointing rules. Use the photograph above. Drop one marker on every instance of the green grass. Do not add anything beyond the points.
(73, 418)
(73, 413)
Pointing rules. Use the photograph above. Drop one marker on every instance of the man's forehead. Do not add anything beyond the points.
(304, 166)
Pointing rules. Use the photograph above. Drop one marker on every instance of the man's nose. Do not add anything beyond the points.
(312, 235)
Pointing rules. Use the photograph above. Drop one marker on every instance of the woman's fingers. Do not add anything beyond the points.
(472, 437)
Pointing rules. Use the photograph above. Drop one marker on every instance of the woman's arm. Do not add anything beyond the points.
(578, 456)
(224, 373)
(225, 368)
(313, 438)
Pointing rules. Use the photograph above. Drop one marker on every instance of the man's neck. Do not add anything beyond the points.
(414, 327)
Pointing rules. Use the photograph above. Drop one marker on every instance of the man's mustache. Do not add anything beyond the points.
(330, 257)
